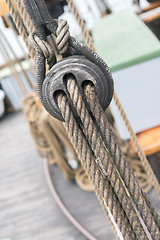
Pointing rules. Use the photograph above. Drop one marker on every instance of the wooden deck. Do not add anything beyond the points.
(27, 209)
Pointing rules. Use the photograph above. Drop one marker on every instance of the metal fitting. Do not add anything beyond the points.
(83, 70)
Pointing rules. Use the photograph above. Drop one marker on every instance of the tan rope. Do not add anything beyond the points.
(42, 47)
(104, 132)
(63, 35)
(119, 159)
(17, 60)
(10, 24)
(145, 163)
(20, 27)
(89, 42)
(76, 134)
(24, 16)
(51, 141)
(12, 66)
(140, 152)
(88, 162)
(85, 32)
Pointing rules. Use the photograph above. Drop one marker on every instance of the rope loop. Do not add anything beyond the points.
(42, 47)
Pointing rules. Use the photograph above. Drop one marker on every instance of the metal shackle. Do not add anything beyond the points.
(83, 70)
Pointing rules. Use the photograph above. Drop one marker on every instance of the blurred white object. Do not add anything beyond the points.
(2, 95)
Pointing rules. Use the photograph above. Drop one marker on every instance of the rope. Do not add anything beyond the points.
(131, 188)
(85, 32)
(109, 140)
(24, 16)
(62, 36)
(87, 157)
(101, 161)
(145, 163)
(119, 159)
(94, 139)
(19, 25)
(140, 152)
(17, 60)
(43, 47)
(10, 24)
(12, 65)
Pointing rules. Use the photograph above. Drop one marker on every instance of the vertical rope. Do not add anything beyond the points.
(13, 69)
(85, 32)
(24, 16)
(140, 152)
(10, 24)
(84, 153)
(145, 163)
(96, 133)
(80, 144)
(19, 24)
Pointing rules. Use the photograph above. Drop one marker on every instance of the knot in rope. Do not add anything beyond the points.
(42, 47)
(63, 36)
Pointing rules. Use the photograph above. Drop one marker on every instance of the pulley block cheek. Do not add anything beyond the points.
(83, 70)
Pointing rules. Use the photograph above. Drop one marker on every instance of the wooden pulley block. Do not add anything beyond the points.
(82, 69)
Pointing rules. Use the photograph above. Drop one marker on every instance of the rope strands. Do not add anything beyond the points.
(140, 152)
(19, 25)
(84, 153)
(116, 154)
(17, 59)
(63, 35)
(68, 97)
(24, 16)
(13, 68)
(144, 161)
(42, 47)
(85, 32)
(10, 24)
(94, 137)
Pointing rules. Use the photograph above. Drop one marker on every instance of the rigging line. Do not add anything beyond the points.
(143, 158)
(10, 24)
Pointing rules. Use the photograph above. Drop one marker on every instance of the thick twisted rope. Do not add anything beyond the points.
(151, 225)
(62, 36)
(87, 157)
(144, 161)
(94, 137)
(24, 16)
(119, 159)
(89, 42)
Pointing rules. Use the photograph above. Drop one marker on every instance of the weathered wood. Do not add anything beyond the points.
(27, 210)
(149, 140)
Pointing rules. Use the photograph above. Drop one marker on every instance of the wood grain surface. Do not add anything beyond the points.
(27, 209)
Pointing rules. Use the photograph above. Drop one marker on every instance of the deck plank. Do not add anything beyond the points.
(27, 209)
